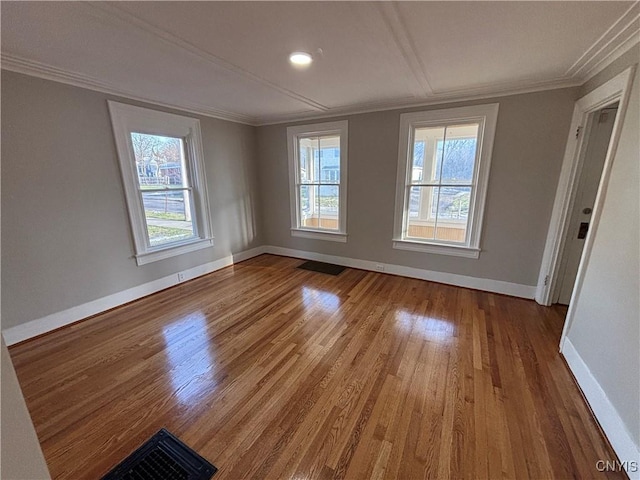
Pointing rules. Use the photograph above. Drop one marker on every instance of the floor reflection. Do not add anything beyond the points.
(190, 356)
(313, 298)
(430, 328)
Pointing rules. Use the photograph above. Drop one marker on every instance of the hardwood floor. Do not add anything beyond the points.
(269, 371)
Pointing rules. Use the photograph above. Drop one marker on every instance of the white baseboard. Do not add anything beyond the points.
(604, 411)
(56, 320)
(247, 254)
(485, 284)
(606, 414)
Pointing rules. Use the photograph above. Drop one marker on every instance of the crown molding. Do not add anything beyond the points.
(110, 12)
(18, 64)
(36, 69)
(467, 95)
(620, 37)
(506, 88)
(632, 40)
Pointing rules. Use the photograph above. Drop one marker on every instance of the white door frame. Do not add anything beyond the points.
(615, 90)
(586, 162)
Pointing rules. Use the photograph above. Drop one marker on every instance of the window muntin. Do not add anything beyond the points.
(163, 184)
(441, 182)
(443, 170)
(317, 158)
(318, 187)
(162, 168)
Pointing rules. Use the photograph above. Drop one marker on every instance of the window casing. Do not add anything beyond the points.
(162, 167)
(443, 171)
(318, 180)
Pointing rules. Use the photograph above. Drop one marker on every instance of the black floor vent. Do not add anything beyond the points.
(163, 457)
(329, 268)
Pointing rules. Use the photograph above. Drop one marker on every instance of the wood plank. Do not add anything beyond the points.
(269, 371)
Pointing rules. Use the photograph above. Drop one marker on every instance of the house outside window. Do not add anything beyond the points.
(162, 168)
(318, 180)
(443, 170)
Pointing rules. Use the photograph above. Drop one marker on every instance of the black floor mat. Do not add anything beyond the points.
(162, 457)
(329, 268)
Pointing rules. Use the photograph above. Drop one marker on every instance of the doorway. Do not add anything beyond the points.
(597, 142)
(611, 93)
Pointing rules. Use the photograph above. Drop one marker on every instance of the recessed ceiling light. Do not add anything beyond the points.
(300, 59)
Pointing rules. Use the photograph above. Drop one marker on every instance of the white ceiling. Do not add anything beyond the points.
(230, 59)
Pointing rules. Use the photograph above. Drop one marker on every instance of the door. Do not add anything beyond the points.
(588, 182)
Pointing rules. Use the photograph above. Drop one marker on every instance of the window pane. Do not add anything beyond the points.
(319, 206)
(328, 199)
(168, 216)
(309, 206)
(453, 213)
(422, 214)
(317, 169)
(319, 159)
(306, 201)
(425, 157)
(439, 213)
(329, 206)
(458, 154)
(303, 160)
(453, 203)
(418, 161)
(308, 163)
(440, 177)
(160, 160)
(329, 159)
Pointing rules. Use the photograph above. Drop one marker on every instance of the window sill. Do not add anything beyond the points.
(319, 235)
(440, 249)
(172, 251)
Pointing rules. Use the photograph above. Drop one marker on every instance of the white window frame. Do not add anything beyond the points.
(294, 134)
(126, 119)
(486, 116)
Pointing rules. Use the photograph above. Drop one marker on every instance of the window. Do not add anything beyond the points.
(162, 169)
(318, 180)
(443, 170)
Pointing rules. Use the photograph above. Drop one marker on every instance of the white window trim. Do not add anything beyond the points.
(442, 249)
(487, 116)
(319, 235)
(293, 134)
(128, 118)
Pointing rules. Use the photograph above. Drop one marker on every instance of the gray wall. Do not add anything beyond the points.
(605, 330)
(528, 150)
(65, 231)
